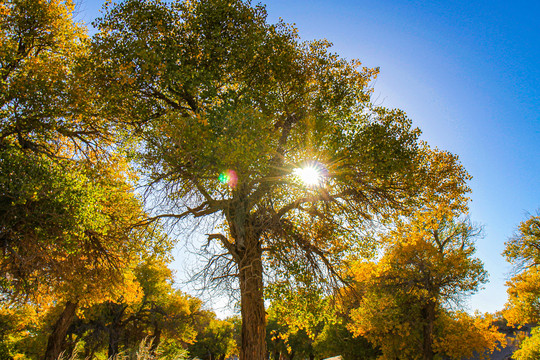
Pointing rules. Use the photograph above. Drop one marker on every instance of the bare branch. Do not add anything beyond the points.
(226, 243)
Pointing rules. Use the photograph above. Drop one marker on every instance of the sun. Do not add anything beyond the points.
(311, 175)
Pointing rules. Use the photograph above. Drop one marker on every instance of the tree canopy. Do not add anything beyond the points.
(522, 251)
(225, 107)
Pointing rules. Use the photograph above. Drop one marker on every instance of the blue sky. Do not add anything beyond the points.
(468, 74)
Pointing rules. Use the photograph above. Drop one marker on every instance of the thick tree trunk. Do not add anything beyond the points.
(58, 335)
(252, 306)
(428, 314)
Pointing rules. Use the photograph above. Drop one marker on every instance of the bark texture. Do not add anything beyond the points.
(253, 312)
(57, 338)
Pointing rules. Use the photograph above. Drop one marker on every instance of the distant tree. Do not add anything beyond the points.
(287, 339)
(306, 323)
(165, 314)
(226, 107)
(215, 339)
(160, 314)
(523, 305)
(427, 265)
(336, 339)
(523, 252)
(20, 331)
(529, 349)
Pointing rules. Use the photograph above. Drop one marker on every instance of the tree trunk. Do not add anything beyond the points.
(116, 311)
(114, 340)
(428, 314)
(253, 345)
(60, 328)
(156, 339)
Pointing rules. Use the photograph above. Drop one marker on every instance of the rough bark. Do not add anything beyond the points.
(252, 305)
(58, 335)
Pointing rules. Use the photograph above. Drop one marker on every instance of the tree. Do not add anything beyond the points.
(522, 249)
(523, 306)
(215, 339)
(44, 100)
(523, 252)
(428, 264)
(66, 230)
(20, 331)
(293, 324)
(225, 108)
(285, 343)
(303, 324)
(529, 349)
(336, 339)
(163, 315)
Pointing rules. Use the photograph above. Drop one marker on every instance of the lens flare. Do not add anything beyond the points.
(228, 177)
(311, 174)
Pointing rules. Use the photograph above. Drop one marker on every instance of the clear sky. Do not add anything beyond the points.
(468, 74)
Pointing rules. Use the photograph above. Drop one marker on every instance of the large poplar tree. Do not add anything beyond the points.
(225, 108)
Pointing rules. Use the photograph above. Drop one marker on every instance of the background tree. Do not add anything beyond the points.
(44, 98)
(215, 339)
(291, 332)
(428, 265)
(226, 107)
(336, 339)
(523, 252)
(304, 322)
(20, 330)
(529, 349)
(523, 306)
(161, 314)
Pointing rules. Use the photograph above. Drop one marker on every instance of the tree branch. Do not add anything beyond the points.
(226, 243)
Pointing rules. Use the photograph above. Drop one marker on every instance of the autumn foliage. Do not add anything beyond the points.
(199, 116)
